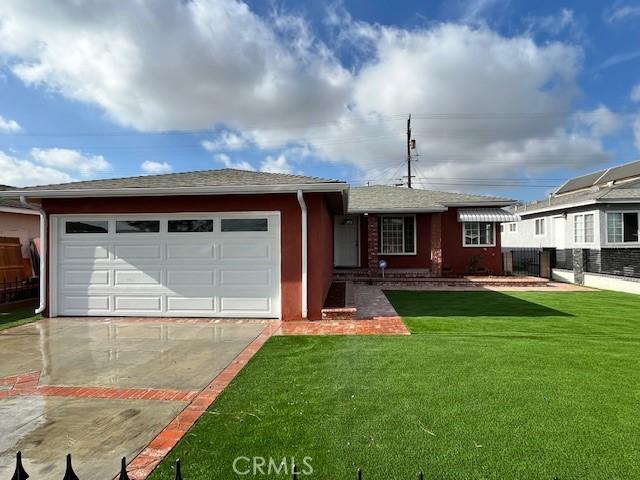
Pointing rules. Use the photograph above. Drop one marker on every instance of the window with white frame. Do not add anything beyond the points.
(540, 226)
(478, 234)
(396, 234)
(513, 227)
(583, 228)
(622, 227)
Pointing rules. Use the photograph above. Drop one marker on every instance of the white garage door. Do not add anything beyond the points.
(219, 265)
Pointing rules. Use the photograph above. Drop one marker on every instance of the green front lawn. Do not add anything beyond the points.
(17, 316)
(532, 386)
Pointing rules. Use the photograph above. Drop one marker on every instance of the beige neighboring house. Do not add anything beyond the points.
(16, 221)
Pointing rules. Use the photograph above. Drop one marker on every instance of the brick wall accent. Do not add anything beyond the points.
(372, 242)
(436, 244)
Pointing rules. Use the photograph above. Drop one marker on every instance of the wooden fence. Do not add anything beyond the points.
(12, 266)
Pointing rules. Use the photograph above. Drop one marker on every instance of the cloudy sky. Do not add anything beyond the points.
(507, 97)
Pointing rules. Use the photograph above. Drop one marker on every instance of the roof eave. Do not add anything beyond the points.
(176, 191)
(483, 203)
(434, 209)
(552, 208)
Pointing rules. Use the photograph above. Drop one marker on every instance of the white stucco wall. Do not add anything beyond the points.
(610, 282)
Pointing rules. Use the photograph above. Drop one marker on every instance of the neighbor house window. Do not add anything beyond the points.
(478, 234)
(540, 226)
(137, 226)
(583, 228)
(513, 227)
(622, 227)
(87, 226)
(396, 234)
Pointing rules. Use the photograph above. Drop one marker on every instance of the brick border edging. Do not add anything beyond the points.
(150, 457)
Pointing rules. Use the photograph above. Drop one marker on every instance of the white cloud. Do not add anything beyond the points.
(635, 93)
(9, 126)
(227, 140)
(177, 64)
(225, 160)
(621, 13)
(599, 122)
(70, 160)
(617, 59)
(20, 173)
(155, 168)
(561, 22)
(481, 101)
(277, 164)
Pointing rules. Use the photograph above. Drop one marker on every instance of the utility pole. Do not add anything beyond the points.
(409, 152)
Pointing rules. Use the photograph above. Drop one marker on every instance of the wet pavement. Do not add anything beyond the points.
(139, 376)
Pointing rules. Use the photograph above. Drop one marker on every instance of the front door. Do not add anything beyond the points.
(345, 241)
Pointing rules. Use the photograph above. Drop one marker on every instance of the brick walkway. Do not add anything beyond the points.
(377, 326)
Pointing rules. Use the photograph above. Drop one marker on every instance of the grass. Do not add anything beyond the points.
(547, 386)
(18, 316)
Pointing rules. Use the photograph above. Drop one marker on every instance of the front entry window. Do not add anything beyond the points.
(396, 235)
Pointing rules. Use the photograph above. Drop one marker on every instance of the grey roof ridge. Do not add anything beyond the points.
(490, 198)
(324, 180)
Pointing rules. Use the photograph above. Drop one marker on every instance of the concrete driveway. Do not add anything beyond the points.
(102, 389)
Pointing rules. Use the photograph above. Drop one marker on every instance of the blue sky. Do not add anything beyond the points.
(508, 97)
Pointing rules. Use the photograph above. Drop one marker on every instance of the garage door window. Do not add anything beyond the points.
(245, 225)
(87, 226)
(190, 226)
(137, 226)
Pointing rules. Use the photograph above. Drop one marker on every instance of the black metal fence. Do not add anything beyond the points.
(19, 290)
(522, 261)
(562, 259)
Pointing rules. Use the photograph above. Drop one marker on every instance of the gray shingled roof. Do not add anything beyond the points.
(386, 198)
(629, 191)
(601, 177)
(206, 178)
(9, 202)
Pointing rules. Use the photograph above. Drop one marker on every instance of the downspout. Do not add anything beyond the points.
(303, 209)
(43, 252)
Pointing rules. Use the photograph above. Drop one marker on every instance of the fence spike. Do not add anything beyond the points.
(69, 474)
(123, 470)
(20, 473)
(295, 472)
(178, 472)
(359, 474)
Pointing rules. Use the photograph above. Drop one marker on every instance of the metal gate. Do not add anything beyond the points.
(522, 262)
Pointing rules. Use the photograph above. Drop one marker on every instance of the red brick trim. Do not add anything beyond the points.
(375, 326)
(149, 458)
(27, 384)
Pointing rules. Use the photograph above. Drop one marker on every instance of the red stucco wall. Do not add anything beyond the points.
(456, 258)
(320, 253)
(286, 204)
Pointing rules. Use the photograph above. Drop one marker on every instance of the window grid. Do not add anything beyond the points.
(478, 234)
(396, 235)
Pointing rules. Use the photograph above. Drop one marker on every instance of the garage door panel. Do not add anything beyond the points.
(137, 277)
(186, 278)
(190, 304)
(85, 303)
(131, 253)
(191, 250)
(134, 303)
(85, 278)
(241, 305)
(245, 251)
(85, 252)
(227, 274)
(253, 278)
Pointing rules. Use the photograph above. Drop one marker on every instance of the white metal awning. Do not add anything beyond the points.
(486, 215)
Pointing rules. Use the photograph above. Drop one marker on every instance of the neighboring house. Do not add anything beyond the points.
(232, 243)
(17, 221)
(598, 212)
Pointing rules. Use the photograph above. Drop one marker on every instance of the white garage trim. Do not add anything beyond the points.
(137, 281)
